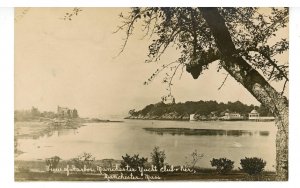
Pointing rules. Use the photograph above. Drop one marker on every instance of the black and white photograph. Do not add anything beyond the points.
(151, 94)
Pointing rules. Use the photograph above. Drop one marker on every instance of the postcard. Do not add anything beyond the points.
(151, 94)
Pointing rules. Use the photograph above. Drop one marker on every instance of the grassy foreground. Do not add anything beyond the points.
(35, 171)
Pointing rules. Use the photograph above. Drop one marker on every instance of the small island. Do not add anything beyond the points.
(202, 111)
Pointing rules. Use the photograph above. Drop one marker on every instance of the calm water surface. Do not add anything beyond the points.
(233, 140)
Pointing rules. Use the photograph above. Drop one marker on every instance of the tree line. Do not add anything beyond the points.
(201, 107)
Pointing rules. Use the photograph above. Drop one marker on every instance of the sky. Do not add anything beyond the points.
(76, 64)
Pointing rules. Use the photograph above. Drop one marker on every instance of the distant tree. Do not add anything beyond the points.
(35, 112)
(131, 112)
(263, 111)
(159, 111)
(147, 109)
(202, 108)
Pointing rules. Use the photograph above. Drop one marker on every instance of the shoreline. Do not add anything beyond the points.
(247, 120)
(36, 129)
(155, 119)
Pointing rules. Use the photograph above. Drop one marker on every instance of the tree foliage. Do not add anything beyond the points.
(83, 160)
(253, 31)
(158, 158)
(253, 165)
(205, 108)
(223, 165)
(134, 162)
(194, 158)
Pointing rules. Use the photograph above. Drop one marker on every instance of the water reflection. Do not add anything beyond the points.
(205, 132)
(234, 140)
(50, 131)
(37, 130)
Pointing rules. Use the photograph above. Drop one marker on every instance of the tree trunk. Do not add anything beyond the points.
(255, 83)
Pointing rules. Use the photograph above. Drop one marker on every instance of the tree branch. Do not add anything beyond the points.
(270, 61)
(223, 81)
(283, 89)
(238, 68)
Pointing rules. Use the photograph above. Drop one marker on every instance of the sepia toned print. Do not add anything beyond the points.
(151, 94)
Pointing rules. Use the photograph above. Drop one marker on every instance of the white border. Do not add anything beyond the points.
(7, 97)
(294, 128)
(139, 3)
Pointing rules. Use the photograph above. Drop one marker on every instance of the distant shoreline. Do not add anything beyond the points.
(158, 119)
(187, 120)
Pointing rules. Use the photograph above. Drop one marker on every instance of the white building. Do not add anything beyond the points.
(232, 116)
(254, 115)
(192, 117)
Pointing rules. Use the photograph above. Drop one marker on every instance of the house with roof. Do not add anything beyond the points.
(253, 115)
(230, 116)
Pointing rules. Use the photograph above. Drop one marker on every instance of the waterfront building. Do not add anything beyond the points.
(253, 115)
